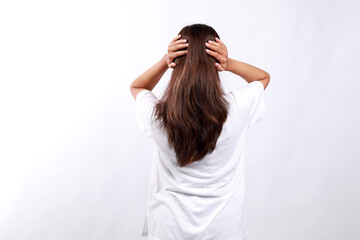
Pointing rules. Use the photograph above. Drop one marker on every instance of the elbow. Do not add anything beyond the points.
(267, 76)
(132, 85)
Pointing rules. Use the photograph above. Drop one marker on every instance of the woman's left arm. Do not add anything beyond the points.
(151, 77)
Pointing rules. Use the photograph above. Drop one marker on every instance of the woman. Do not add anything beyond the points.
(197, 181)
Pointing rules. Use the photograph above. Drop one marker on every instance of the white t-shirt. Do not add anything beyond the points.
(203, 200)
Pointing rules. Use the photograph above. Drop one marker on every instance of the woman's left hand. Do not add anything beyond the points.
(173, 52)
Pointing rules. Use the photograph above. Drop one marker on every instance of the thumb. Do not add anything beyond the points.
(219, 67)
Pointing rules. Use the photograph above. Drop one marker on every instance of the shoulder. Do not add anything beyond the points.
(249, 90)
(254, 86)
(145, 95)
(145, 105)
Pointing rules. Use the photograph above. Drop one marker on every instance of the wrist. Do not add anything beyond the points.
(229, 64)
(164, 61)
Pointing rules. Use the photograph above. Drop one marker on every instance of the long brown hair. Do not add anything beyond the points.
(193, 107)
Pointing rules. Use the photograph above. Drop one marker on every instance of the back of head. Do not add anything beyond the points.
(193, 108)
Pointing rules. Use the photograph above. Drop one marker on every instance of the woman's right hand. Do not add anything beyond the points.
(219, 51)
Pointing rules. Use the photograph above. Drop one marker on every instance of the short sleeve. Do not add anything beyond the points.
(145, 103)
(255, 92)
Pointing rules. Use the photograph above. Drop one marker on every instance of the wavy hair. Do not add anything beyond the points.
(193, 108)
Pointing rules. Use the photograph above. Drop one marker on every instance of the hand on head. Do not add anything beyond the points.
(173, 52)
(218, 50)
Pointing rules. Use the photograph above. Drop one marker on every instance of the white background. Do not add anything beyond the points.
(73, 163)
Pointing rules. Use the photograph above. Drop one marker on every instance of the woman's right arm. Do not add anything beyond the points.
(248, 72)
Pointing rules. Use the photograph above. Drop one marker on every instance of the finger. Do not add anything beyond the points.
(213, 47)
(177, 47)
(214, 43)
(181, 41)
(218, 40)
(218, 50)
(172, 65)
(175, 38)
(212, 53)
(178, 54)
(221, 49)
(178, 42)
